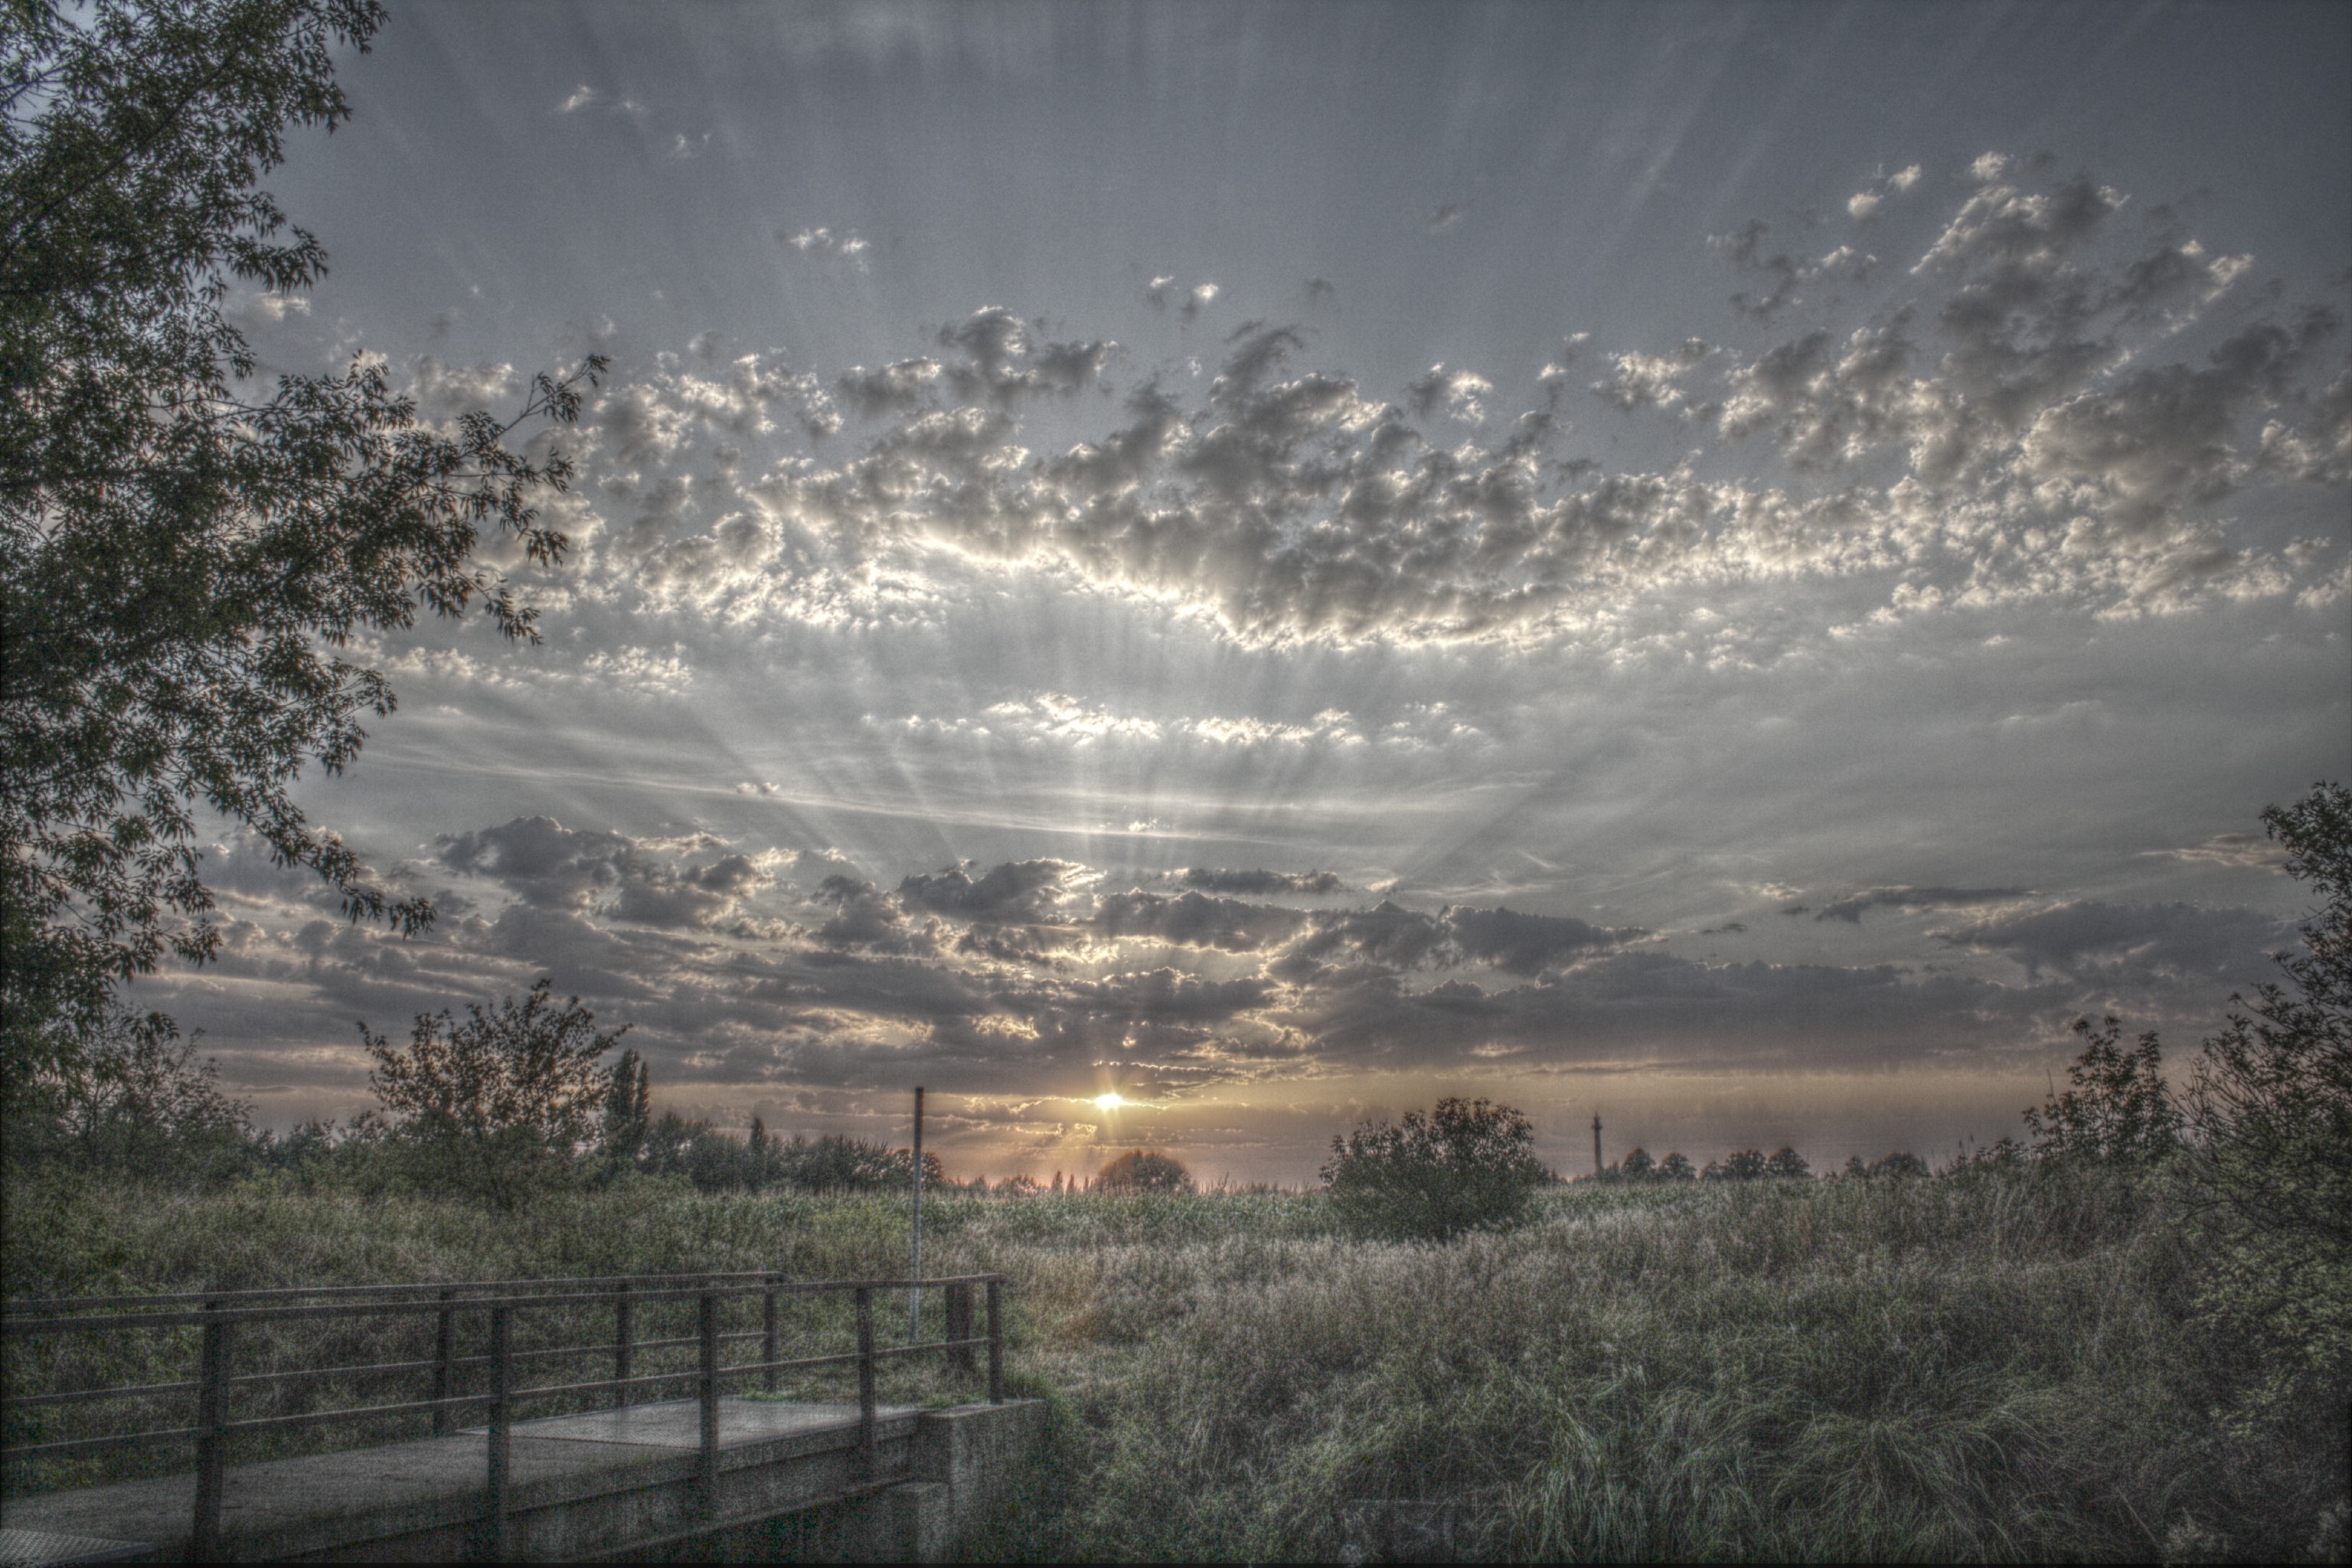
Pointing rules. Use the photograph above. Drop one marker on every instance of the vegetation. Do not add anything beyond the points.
(501, 1105)
(182, 553)
(1467, 1165)
(1138, 1171)
(2004, 1363)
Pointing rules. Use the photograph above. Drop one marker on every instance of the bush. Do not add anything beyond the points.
(2115, 1106)
(1467, 1165)
(1138, 1171)
(496, 1108)
(2268, 1175)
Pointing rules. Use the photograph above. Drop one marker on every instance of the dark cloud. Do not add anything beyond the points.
(1524, 944)
(2132, 943)
(1017, 890)
(542, 861)
(1197, 920)
(1223, 881)
(1849, 908)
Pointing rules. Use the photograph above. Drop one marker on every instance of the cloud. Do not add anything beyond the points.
(1524, 944)
(1309, 883)
(1850, 907)
(1458, 392)
(1445, 216)
(1864, 203)
(1651, 381)
(2009, 425)
(1196, 919)
(1746, 249)
(2089, 940)
(1022, 890)
(2239, 849)
(821, 242)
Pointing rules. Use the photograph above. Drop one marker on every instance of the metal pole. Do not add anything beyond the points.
(1596, 1144)
(212, 1443)
(915, 1291)
(501, 1425)
(625, 1313)
(865, 1439)
(995, 1342)
(768, 1338)
(445, 1362)
(710, 1476)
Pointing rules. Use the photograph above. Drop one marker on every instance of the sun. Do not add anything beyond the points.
(1109, 1101)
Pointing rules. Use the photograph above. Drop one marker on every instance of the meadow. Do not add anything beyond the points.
(1999, 1363)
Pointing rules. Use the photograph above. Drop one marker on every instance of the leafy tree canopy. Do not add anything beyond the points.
(183, 553)
(1467, 1164)
(503, 1102)
(1143, 1171)
(2269, 1171)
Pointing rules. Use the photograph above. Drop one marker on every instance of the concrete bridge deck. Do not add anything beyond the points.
(793, 1484)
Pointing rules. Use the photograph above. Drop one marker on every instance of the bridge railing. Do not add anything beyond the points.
(218, 1316)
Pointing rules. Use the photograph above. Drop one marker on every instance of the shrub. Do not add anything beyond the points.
(2268, 1176)
(1138, 1171)
(1467, 1165)
(1740, 1165)
(498, 1107)
(2115, 1106)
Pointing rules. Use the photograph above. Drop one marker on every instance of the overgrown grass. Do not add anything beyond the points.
(1998, 1364)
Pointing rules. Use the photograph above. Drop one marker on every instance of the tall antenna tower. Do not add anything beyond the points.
(1596, 1142)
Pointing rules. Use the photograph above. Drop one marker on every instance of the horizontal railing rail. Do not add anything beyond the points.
(221, 1313)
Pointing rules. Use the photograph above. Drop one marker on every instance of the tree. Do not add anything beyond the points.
(139, 1102)
(1637, 1165)
(628, 1112)
(2269, 1171)
(182, 553)
(1740, 1165)
(1138, 1171)
(1675, 1167)
(1901, 1163)
(1468, 1165)
(500, 1106)
(2115, 1106)
(1787, 1162)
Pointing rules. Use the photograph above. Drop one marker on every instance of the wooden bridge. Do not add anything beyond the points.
(607, 1473)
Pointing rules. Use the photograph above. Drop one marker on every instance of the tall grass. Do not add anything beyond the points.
(1998, 1363)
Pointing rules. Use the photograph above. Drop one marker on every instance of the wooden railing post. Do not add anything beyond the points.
(995, 1342)
(444, 1361)
(958, 1310)
(867, 1447)
(624, 1350)
(212, 1442)
(501, 1426)
(768, 1338)
(710, 1471)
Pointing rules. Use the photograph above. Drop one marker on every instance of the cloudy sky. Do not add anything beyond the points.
(1733, 568)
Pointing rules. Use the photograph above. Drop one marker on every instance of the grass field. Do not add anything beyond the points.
(1993, 1364)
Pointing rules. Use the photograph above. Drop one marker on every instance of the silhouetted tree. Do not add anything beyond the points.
(1740, 1165)
(2116, 1105)
(1787, 1162)
(2269, 1173)
(1674, 1167)
(501, 1105)
(1637, 1166)
(183, 558)
(1139, 1171)
(1468, 1165)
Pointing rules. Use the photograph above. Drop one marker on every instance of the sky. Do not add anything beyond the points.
(1733, 569)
